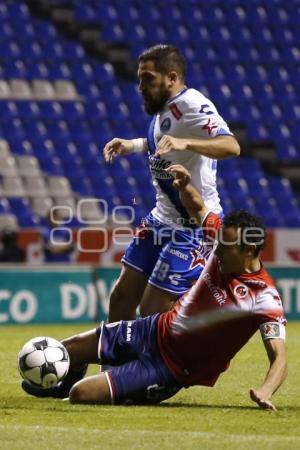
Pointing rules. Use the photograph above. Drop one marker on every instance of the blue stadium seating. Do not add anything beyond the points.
(236, 53)
(22, 209)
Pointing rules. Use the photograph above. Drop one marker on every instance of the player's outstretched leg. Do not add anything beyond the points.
(82, 349)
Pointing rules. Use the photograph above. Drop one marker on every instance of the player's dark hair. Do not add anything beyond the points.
(166, 58)
(253, 226)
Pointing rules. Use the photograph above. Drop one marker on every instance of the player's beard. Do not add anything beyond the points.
(154, 104)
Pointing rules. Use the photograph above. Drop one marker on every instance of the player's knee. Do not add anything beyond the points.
(77, 394)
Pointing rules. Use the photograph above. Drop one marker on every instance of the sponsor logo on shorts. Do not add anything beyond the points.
(241, 291)
(129, 331)
(175, 279)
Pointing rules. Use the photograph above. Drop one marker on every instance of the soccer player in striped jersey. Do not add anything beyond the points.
(166, 256)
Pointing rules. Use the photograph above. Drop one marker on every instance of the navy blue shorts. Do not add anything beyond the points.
(171, 259)
(139, 374)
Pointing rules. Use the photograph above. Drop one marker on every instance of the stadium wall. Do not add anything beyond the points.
(73, 294)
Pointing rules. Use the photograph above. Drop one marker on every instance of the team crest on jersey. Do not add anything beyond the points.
(241, 291)
(166, 124)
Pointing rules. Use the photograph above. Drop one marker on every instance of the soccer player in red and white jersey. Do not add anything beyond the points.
(192, 344)
(234, 297)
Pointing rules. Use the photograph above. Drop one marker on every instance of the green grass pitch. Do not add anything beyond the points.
(197, 418)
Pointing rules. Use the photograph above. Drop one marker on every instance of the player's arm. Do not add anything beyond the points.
(118, 146)
(275, 376)
(218, 147)
(190, 197)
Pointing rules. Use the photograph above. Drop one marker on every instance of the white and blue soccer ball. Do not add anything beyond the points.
(43, 362)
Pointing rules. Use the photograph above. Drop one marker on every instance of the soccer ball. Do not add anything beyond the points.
(43, 362)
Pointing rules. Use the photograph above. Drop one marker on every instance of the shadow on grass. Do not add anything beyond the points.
(205, 406)
(47, 404)
(228, 407)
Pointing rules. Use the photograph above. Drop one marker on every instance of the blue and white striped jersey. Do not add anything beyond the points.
(188, 115)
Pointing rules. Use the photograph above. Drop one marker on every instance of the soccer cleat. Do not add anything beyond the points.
(61, 390)
(58, 391)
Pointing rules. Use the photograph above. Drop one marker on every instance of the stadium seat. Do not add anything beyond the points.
(41, 206)
(8, 166)
(91, 212)
(15, 69)
(59, 187)
(51, 110)
(43, 90)
(5, 90)
(36, 186)
(83, 186)
(4, 149)
(8, 222)
(22, 147)
(4, 206)
(22, 209)
(8, 111)
(20, 89)
(13, 187)
(28, 110)
(59, 71)
(65, 90)
(28, 166)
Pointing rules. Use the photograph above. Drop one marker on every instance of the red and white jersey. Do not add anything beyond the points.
(188, 115)
(215, 319)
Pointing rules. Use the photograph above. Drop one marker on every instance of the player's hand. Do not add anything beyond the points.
(181, 174)
(168, 144)
(117, 147)
(263, 401)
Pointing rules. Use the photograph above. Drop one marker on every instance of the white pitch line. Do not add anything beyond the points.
(207, 434)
